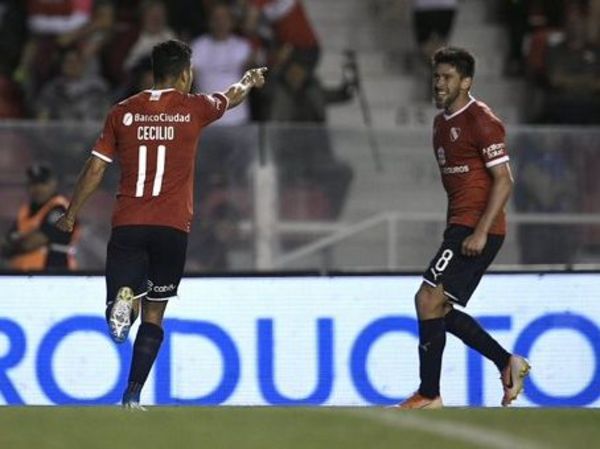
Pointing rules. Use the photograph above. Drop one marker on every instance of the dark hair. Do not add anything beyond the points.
(169, 59)
(461, 59)
(39, 173)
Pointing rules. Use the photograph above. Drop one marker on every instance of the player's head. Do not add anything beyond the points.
(453, 71)
(171, 65)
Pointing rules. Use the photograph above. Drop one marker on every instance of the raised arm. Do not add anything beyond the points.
(89, 179)
(237, 93)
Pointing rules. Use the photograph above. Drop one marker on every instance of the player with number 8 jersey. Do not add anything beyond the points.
(469, 146)
(154, 135)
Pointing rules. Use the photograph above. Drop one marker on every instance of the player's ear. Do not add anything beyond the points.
(466, 82)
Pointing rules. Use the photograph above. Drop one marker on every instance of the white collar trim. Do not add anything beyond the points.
(464, 108)
(157, 91)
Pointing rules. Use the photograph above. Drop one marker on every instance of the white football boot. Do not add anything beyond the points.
(122, 314)
(513, 377)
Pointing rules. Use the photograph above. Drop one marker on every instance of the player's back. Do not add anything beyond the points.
(154, 136)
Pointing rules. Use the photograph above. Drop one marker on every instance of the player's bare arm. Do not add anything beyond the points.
(499, 195)
(89, 179)
(237, 93)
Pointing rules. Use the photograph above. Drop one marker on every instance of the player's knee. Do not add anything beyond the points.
(153, 312)
(153, 317)
(429, 300)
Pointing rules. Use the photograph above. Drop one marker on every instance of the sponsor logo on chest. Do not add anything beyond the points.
(453, 170)
(441, 156)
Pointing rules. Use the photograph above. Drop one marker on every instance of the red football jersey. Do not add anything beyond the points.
(154, 136)
(467, 143)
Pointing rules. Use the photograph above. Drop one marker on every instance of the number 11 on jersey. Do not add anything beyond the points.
(142, 164)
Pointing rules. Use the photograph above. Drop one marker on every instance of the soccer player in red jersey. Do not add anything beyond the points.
(468, 143)
(154, 136)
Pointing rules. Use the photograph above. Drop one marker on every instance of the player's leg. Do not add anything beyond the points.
(512, 367)
(460, 281)
(126, 271)
(167, 249)
(145, 349)
(429, 302)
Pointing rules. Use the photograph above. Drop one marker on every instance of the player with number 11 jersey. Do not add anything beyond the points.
(154, 135)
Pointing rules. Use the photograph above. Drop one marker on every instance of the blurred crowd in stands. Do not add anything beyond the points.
(70, 60)
(555, 45)
(60, 57)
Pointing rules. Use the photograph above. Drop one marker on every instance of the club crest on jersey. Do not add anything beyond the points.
(454, 134)
(441, 156)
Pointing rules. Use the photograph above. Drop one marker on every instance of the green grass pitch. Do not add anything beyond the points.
(297, 428)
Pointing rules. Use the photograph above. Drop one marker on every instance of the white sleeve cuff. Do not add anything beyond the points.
(500, 160)
(102, 156)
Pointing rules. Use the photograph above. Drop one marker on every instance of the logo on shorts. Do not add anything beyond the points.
(128, 119)
(441, 156)
(454, 134)
(160, 288)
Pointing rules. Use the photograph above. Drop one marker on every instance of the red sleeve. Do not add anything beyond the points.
(105, 147)
(491, 141)
(259, 3)
(210, 107)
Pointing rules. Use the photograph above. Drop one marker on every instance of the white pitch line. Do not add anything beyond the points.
(486, 438)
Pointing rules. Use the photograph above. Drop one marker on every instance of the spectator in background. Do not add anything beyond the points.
(56, 17)
(34, 243)
(572, 75)
(291, 29)
(72, 95)
(189, 17)
(219, 59)
(94, 37)
(48, 21)
(531, 24)
(13, 34)
(305, 154)
(126, 31)
(154, 30)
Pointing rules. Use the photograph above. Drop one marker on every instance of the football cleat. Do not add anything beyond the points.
(512, 377)
(131, 397)
(417, 401)
(122, 314)
(132, 402)
(134, 406)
